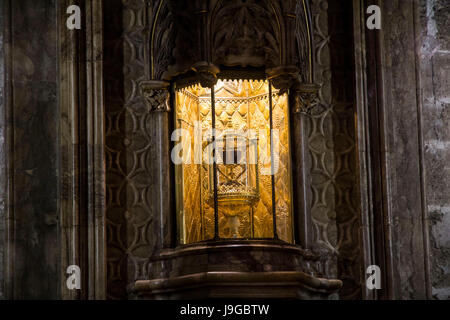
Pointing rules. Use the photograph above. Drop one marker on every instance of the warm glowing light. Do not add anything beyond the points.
(243, 162)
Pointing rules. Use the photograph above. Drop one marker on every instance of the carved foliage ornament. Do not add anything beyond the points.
(256, 33)
(188, 36)
(163, 40)
(305, 98)
(303, 35)
(156, 95)
(246, 33)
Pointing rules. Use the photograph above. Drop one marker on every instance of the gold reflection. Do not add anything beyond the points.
(244, 187)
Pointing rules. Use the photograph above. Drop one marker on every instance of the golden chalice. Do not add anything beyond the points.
(237, 180)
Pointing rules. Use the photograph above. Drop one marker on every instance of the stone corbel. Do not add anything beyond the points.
(283, 78)
(305, 97)
(156, 95)
(207, 73)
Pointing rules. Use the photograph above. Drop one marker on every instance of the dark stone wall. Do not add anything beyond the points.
(406, 248)
(435, 91)
(32, 112)
(2, 154)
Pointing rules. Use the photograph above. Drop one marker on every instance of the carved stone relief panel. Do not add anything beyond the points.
(330, 131)
(245, 33)
(130, 239)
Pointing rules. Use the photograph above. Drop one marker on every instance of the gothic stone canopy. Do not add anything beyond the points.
(206, 37)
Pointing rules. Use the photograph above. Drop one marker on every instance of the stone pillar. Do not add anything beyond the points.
(303, 100)
(157, 98)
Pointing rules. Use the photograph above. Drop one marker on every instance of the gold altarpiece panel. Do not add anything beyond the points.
(245, 187)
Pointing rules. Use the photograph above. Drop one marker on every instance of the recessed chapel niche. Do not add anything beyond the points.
(249, 198)
(227, 83)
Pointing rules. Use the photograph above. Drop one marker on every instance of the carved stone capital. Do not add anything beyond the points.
(207, 73)
(305, 97)
(283, 78)
(156, 95)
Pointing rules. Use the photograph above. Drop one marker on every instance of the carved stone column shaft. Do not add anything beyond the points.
(157, 98)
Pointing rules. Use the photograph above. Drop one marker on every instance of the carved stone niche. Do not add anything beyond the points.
(200, 42)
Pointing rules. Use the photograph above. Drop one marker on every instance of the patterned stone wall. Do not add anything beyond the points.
(129, 153)
(330, 132)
